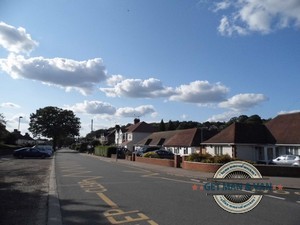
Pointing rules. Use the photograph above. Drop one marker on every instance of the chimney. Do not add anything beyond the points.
(136, 120)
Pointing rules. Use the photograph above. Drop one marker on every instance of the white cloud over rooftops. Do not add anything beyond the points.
(135, 112)
(263, 16)
(16, 39)
(65, 73)
(243, 102)
(200, 92)
(106, 109)
(138, 88)
(93, 107)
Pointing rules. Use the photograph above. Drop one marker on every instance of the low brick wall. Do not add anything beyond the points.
(278, 171)
(198, 166)
(160, 162)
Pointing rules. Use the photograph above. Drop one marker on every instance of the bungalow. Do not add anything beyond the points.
(243, 141)
(180, 142)
(258, 142)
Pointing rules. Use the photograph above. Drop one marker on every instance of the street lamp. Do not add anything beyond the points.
(20, 117)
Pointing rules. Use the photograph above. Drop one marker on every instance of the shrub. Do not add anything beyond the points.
(222, 158)
(196, 157)
(151, 155)
(105, 151)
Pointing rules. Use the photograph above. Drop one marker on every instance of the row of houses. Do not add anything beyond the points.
(247, 141)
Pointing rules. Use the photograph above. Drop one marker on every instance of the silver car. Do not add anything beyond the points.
(287, 160)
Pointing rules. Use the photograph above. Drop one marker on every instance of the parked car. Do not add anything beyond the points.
(287, 160)
(146, 149)
(31, 152)
(44, 148)
(164, 154)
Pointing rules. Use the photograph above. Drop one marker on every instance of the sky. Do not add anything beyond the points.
(111, 61)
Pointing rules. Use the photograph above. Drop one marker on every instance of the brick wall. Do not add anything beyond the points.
(160, 162)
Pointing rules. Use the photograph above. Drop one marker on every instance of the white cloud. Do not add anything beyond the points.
(93, 107)
(135, 112)
(223, 117)
(263, 16)
(242, 102)
(65, 73)
(289, 112)
(9, 105)
(114, 80)
(137, 88)
(16, 39)
(200, 92)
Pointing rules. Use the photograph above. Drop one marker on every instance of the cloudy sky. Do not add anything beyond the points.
(113, 60)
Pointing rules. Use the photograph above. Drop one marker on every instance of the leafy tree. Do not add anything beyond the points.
(162, 126)
(55, 123)
(2, 126)
(171, 125)
(254, 119)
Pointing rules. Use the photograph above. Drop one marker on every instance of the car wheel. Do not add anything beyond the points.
(43, 156)
(20, 156)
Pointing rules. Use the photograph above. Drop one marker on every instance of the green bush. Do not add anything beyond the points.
(196, 157)
(208, 158)
(105, 151)
(151, 155)
(222, 158)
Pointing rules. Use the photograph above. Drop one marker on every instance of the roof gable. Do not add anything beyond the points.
(184, 138)
(243, 133)
(141, 127)
(285, 128)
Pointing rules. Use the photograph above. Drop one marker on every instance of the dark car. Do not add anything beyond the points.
(31, 152)
(164, 154)
(146, 149)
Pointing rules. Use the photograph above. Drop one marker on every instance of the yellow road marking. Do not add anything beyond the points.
(107, 200)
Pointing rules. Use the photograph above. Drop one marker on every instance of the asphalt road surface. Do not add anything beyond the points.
(95, 191)
(24, 190)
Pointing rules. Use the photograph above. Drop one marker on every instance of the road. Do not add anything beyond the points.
(24, 190)
(95, 191)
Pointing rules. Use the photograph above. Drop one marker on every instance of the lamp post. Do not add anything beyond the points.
(20, 117)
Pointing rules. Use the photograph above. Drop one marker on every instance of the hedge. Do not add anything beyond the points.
(105, 151)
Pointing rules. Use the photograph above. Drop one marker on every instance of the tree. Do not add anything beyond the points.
(2, 126)
(162, 126)
(55, 123)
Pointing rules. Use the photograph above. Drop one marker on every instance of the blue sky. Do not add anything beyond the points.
(111, 61)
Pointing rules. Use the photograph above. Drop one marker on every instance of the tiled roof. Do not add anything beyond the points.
(141, 127)
(243, 133)
(285, 128)
(184, 138)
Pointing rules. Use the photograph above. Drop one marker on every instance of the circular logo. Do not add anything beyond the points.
(237, 203)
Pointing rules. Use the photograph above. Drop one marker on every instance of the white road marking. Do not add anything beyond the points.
(272, 196)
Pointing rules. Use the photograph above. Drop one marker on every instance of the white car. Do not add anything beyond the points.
(287, 160)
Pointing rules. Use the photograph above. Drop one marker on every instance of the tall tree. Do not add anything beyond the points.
(162, 126)
(2, 126)
(55, 123)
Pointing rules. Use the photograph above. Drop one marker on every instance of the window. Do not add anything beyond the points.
(185, 151)
(218, 150)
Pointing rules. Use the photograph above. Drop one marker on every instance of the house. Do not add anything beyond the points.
(107, 137)
(258, 142)
(285, 128)
(23, 140)
(180, 142)
(245, 141)
(131, 135)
